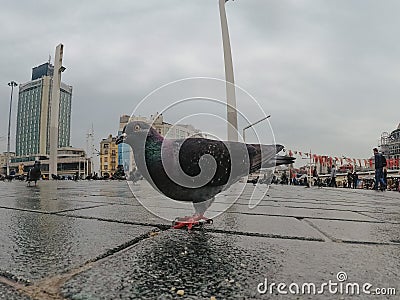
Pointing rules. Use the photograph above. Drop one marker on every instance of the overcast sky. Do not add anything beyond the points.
(327, 71)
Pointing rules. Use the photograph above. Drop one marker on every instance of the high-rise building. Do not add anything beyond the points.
(33, 114)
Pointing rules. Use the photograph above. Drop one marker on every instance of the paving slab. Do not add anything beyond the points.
(36, 204)
(359, 231)
(9, 293)
(293, 235)
(283, 227)
(36, 245)
(87, 192)
(308, 213)
(121, 213)
(265, 225)
(389, 217)
(205, 265)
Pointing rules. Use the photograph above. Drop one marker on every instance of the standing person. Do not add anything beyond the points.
(333, 177)
(385, 177)
(355, 180)
(349, 179)
(380, 162)
(315, 176)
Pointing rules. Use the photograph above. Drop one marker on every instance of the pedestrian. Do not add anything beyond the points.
(355, 180)
(349, 179)
(333, 177)
(380, 163)
(315, 176)
(385, 177)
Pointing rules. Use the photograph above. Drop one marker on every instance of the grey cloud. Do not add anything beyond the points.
(319, 67)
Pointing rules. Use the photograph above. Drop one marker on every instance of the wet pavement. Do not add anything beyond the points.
(94, 240)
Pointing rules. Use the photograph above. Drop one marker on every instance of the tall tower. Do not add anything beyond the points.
(55, 109)
(33, 114)
(229, 77)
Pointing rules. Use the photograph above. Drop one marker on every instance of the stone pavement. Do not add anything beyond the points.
(94, 240)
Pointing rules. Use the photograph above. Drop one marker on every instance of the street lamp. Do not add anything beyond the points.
(12, 84)
(251, 125)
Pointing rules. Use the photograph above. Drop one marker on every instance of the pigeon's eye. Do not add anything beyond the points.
(137, 128)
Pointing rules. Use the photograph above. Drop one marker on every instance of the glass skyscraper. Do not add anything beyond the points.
(33, 114)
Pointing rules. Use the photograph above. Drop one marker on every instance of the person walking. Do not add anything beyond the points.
(349, 179)
(315, 176)
(355, 180)
(380, 162)
(385, 176)
(333, 177)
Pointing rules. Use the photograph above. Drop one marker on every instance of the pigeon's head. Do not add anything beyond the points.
(135, 132)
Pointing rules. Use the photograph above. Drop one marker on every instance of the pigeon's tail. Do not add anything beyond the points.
(284, 160)
(262, 155)
(279, 148)
(278, 160)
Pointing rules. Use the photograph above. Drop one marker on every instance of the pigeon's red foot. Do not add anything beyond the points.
(191, 222)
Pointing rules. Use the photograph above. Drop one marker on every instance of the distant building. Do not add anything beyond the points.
(69, 162)
(33, 114)
(33, 127)
(390, 143)
(45, 69)
(108, 156)
(3, 161)
(172, 131)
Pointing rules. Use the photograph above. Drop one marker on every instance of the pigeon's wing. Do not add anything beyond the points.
(233, 159)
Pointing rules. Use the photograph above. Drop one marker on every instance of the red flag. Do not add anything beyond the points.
(370, 163)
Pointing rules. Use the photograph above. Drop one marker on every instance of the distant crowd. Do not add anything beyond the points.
(352, 180)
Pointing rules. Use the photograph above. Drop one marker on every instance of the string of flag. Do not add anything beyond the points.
(326, 160)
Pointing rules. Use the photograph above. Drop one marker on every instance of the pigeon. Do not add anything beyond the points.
(194, 169)
(34, 173)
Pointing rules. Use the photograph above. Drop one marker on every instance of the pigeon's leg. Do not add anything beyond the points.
(197, 219)
(190, 222)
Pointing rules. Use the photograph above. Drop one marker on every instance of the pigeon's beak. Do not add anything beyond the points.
(121, 138)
